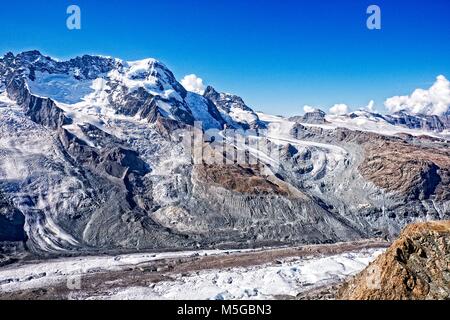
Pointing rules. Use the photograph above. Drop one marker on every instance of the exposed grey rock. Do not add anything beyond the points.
(314, 117)
(425, 122)
(226, 103)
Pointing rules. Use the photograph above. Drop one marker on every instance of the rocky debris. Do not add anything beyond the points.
(11, 222)
(245, 180)
(415, 267)
(416, 167)
(12, 252)
(119, 161)
(12, 232)
(100, 138)
(327, 292)
(242, 203)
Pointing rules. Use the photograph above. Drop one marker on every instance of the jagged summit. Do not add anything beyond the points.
(233, 109)
(85, 67)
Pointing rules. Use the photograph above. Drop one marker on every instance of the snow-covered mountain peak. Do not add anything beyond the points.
(149, 74)
(145, 88)
(233, 109)
(73, 80)
(227, 100)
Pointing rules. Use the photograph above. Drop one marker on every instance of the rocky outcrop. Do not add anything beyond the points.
(41, 110)
(314, 117)
(416, 172)
(119, 161)
(244, 203)
(245, 180)
(234, 110)
(225, 101)
(84, 67)
(436, 123)
(423, 122)
(147, 106)
(415, 267)
(11, 222)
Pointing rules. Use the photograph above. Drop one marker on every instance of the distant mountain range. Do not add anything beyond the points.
(91, 159)
(401, 119)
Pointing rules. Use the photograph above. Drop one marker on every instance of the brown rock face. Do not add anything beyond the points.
(239, 179)
(400, 167)
(415, 267)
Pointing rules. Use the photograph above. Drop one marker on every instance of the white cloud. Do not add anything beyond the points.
(371, 106)
(339, 109)
(434, 101)
(308, 109)
(193, 83)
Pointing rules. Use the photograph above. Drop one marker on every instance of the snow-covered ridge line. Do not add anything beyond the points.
(359, 123)
(144, 88)
(78, 81)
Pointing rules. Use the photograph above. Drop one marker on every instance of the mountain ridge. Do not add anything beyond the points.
(92, 154)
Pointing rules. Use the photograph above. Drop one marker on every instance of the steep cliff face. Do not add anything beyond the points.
(415, 267)
(234, 110)
(426, 122)
(41, 110)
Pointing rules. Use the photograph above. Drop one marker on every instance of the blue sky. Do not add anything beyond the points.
(277, 54)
